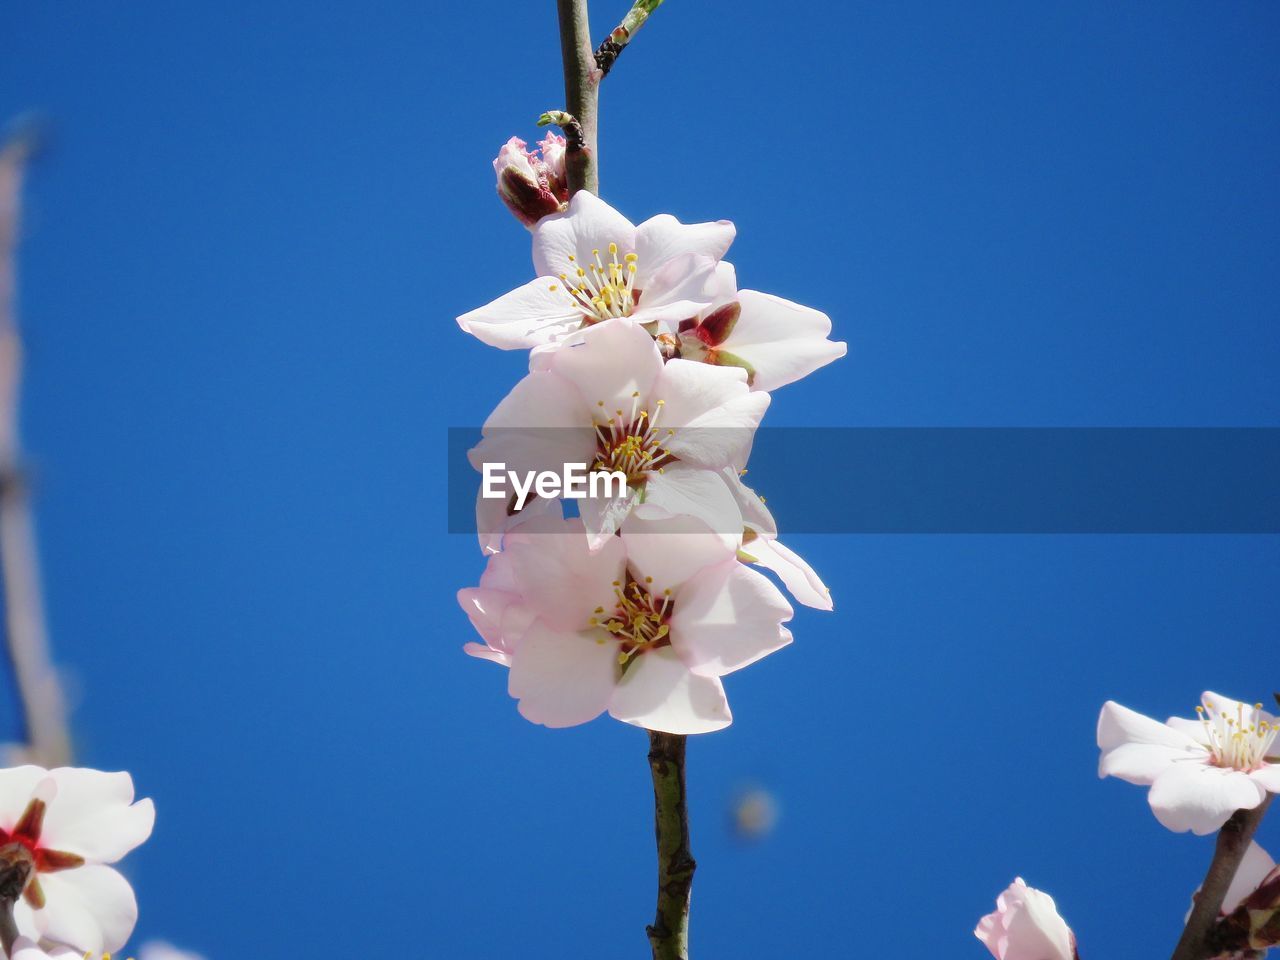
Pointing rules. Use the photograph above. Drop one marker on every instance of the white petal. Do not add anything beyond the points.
(92, 815)
(24, 949)
(712, 411)
(16, 786)
(614, 361)
(796, 575)
(602, 516)
(528, 316)
(540, 425)
(686, 490)
(1137, 748)
(1231, 708)
(588, 224)
(1194, 796)
(658, 692)
(783, 341)
(728, 617)
(671, 549)
(680, 290)
(563, 679)
(493, 522)
(91, 908)
(560, 578)
(663, 238)
(1032, 925)
(1268, 777)
(755, 515)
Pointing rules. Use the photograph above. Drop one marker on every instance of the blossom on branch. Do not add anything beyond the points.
(643, 628)
(611, 403)
(532, 184)
(1026, 926)
(1200, 771)
(67, 824)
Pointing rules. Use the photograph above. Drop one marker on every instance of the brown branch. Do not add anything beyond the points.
(38, 687)
(669, 934)
(581, 95)
(1233, 841)
(13, 880)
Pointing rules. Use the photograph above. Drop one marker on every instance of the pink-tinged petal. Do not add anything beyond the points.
(800, 579)
(713, 413)
(91, 908)
(560, 578)
(685, 490)
(658, 692)
(1267, 777)
(540, 425)
(589, 224)
(671, 550)
(94, 815)
(664, 238)
(1136, 748)
(1195, 796)
(603, 516)
(483, 652)
(486, 610)
(16, 786)
(24, 949)
(679, 290)
(783, 341)
(728, 617)
(755, 515)
(613, 362)
(562, 679)
(1026, 926)
(538, 313)
(493, 522)
(1231, 708)
(30, 923)
(1255, 866)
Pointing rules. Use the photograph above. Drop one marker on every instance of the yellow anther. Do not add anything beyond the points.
(554, 287)
(631, 258)
(613, 248)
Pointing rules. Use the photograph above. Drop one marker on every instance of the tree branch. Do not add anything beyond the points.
(612, 46)
(1233, 841)
(13, 879)
(38, 687)
(669, 934)
(581, 95)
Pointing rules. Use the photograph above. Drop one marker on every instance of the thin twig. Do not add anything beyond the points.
(13, 879)
(581, 95)
(1233, 841)
(669, 934)
(612, 46)
(38, 687)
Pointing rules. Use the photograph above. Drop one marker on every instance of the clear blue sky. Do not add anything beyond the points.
(245, 252)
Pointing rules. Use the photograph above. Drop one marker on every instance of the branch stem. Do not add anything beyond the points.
(581, 94)
(612, 46)
(669, 933)
(1233, 841)
(26, 643)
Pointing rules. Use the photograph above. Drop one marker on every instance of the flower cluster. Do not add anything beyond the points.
(648, 364)
(60, 831)
(1201, 773)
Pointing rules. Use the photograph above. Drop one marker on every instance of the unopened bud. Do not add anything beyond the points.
(532, 184)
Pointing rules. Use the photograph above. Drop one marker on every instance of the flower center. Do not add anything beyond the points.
(1238, 739)
(630, 442)
(602, 290)
(22, 844)
(640, 620)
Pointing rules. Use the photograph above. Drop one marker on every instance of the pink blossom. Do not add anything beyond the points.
(1200, 771)
(532, 186)
(69, 823)
(1026, 926)
(643, 628)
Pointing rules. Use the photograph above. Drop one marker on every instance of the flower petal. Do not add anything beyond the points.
(94, 815)
(1197, 797)
(588, 224)
(670, 550)
(663, 238)
(1254, 867)
(16, 786)
(538, 313)
(560, 578)
(727, 617)
(712, 411)
(614, 362)
(783, 341)
(540, 425)
(800, 579)
(686, 490)
(658, 692)
(562, 679)
(1136, 748)
(1267, 777)
(91, 908)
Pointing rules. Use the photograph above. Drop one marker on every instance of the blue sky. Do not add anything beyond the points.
(245, 251)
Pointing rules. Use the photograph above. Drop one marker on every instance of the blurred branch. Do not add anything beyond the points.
(38, 688)
(669, 934)
(612, 46)
(1233, 841)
